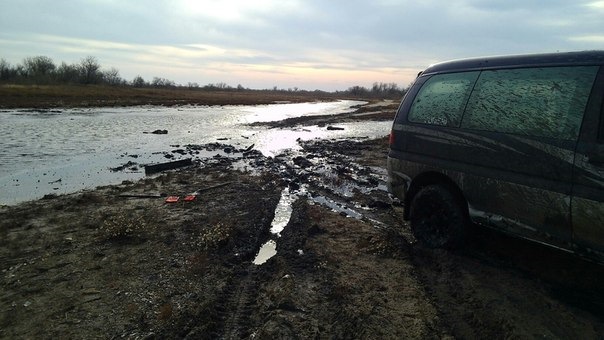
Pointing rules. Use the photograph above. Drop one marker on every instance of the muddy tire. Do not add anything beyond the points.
(437, 218)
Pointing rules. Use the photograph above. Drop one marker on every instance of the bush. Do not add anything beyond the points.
(124, 225)
(215, 236)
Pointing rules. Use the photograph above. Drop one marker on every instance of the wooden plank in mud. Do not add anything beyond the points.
(155, 168)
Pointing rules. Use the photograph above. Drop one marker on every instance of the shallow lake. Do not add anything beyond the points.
(63, 151)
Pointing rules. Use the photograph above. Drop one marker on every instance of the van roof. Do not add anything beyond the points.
(525, 60)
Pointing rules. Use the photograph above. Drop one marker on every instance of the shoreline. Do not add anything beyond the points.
(34, 182)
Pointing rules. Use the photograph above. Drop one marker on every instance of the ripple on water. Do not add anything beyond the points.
(63, 141)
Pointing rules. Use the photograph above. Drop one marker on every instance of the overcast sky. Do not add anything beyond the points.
(310, 44)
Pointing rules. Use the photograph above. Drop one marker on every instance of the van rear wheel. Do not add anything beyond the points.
(437, 218)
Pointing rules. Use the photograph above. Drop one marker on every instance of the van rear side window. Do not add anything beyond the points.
(442, 99)
(543, 102)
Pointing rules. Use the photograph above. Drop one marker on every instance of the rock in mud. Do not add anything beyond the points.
(129, 164)
(378, 204)
(302, 162)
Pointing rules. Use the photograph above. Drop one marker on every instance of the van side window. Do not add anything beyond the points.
(442, 99)
(543, 102)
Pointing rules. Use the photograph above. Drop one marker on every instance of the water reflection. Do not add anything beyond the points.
(269, 113)
(79, 146)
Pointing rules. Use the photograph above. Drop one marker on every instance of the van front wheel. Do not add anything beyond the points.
(437, 218)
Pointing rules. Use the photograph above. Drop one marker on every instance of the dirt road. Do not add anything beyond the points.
(119, 262)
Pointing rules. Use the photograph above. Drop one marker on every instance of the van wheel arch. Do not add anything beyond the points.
(434, 178)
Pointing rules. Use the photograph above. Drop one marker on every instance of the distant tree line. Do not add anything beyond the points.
(380, 90)
(42, 70)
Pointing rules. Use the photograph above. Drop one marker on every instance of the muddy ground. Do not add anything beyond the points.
(119, 262)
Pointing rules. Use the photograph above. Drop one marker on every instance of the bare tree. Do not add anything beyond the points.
(138, 81)
(89, 70)
(38, 69)
(112, 76)
(162, 82)
(67, 73)
(5, 70)
(358, 90)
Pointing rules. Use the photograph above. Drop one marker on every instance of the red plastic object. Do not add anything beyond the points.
(172, 199)
(190, 198)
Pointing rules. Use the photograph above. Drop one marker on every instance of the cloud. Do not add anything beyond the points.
(597, 5)
(271, 40)
(591, 39)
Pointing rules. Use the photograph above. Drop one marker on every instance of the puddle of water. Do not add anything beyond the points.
(327, 176)
(283, 213)
(324, 201)
(268, 250)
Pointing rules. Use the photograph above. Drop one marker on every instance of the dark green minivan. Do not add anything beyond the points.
(514, 143)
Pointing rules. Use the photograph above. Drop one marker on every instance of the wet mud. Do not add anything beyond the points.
(120, 262)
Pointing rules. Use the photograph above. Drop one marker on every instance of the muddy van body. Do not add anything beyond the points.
(515, 143)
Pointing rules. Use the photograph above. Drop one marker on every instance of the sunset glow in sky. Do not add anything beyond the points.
(314, 44)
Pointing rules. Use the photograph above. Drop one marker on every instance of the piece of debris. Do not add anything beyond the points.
(172, 199)
(331, 128)
(379, 204)
(302, 162)
(123, 166)
(134, 195)
(154, 168)
(214, 186)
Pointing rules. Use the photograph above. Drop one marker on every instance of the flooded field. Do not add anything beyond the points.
(61, 151)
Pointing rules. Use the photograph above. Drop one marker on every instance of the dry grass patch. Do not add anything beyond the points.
(51, 96)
